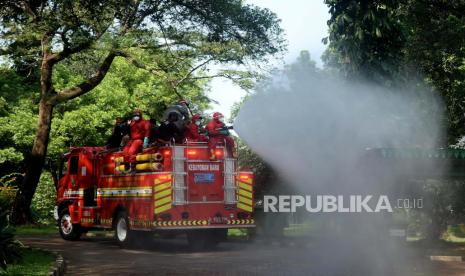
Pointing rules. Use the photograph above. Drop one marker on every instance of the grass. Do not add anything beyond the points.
(455, 234)
(34, 262)
(235, 232)
(36, 229)
(298, 230)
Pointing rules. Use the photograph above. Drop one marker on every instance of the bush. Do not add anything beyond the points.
(8, 191)
(9, 246)
(7, 196)
(44, 200)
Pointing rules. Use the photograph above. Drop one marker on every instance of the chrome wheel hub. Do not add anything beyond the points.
(121, 229)
(66, 225)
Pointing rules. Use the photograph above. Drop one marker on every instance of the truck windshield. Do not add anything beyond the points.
(63, 167)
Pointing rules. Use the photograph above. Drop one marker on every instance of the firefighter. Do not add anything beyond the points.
(194, 131)
(169, 130)
(219, 132)
(182, 109)
(119, 131)
(140, 132)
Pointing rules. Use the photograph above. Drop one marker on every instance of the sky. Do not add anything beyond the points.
(304, 24)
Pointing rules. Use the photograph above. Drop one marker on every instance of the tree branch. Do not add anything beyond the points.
(138, 64)
(87, 85)
(192, 71)
(67, 51)
(27, 8)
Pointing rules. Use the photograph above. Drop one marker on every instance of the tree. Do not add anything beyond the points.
(365, 39)
(52, 32)
(394, 42)
(435, 46)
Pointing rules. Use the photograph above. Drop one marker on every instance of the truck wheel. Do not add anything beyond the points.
(122, 231)
(68, 230)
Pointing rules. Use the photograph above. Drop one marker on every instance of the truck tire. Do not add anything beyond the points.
(122, 231)
(68, 230)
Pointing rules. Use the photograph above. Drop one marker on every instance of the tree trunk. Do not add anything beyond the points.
(34, 165)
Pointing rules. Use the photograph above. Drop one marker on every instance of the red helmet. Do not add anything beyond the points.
(216, 115)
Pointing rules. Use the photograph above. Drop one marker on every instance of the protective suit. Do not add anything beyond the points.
(182, 110)
(193, 130)
(218, 132)
(140, 132)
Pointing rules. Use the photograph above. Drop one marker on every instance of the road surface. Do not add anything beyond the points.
(102, 256)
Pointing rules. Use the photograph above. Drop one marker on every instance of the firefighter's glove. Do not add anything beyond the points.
(146, 142)
(230, 127)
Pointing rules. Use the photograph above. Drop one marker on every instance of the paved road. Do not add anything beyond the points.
(102, 256)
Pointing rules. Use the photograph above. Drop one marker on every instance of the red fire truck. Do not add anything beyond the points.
(170, 189)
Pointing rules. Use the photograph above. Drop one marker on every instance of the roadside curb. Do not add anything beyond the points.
(59, 267)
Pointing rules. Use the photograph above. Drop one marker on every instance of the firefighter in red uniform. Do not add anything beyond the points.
(194, 129)
(140, 132)
(219, 132)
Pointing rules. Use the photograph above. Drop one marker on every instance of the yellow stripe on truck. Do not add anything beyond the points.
(162, 194)
(162, 208)
(162, 201)
(245, 186)
(245, 200)
(244, 207)
(245, 193)
(162, 186)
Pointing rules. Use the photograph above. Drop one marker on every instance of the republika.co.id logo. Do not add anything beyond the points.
(337, 204)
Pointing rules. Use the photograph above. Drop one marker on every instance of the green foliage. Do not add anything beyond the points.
(10, 154)
(33, 262)
(365, 39)
(394, 42)
(44, 200)
(9, 246)
(226, 31)
(7, 180)
(17, 118)
(435, 47)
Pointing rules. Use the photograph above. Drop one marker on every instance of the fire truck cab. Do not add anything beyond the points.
(170, 189)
